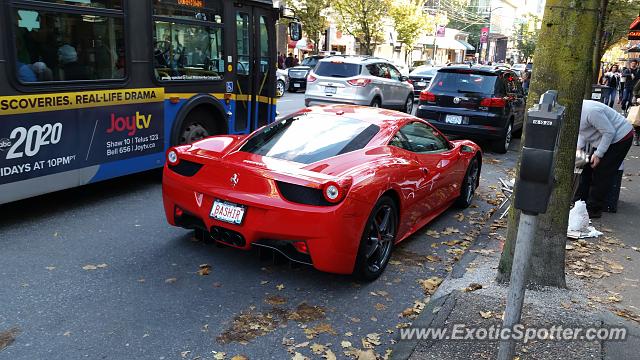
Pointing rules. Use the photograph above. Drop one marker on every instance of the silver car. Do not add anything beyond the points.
(359, 80)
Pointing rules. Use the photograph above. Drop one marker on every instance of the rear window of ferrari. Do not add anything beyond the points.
(311, 137)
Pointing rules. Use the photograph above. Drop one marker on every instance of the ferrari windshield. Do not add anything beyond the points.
(311, 137)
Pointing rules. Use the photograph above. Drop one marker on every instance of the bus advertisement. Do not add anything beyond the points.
(95, 89)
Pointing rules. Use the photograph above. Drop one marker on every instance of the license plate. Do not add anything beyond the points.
(453, 119)
(227, 212)
(296, 85)
(596, 96)
(330, 89)
(421, 83)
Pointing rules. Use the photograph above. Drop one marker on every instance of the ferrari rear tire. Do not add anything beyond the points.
(378, 238)
(469, 184)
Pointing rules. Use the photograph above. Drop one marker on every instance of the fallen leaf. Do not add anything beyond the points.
(329, 355)
(219, 355)
(486, 314)
(171, 280)
(348, 333)
(280, 287)
(317, 348)
(430, 285)
(366, 355)
(380, 307)
(433, 234)
(299, 356)
(184, 354)
(102, 266)
(50, 268)
(263, 282)
(473, 287)
(239, 357)
(67, 333)
(275, 300)
(204, 269)
(459, 217)
(90, 267)
(345, 344)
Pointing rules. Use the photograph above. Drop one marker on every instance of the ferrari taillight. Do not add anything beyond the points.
(172, 157)
(334, 192)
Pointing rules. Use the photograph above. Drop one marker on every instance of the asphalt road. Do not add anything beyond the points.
(97, 273)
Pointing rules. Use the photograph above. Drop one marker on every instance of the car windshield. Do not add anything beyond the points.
(310, 61)
(311, 137)
(424, 71)
(464, 82)
(337, 69)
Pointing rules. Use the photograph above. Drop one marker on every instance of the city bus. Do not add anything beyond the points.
(95, 89)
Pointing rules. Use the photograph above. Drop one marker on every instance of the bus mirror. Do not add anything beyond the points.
(295, 31)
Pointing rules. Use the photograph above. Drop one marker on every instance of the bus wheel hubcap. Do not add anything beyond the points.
(193, 133)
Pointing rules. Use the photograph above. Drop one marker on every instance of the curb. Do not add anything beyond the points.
(441, 304)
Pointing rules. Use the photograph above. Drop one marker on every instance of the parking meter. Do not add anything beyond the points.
(535, 183)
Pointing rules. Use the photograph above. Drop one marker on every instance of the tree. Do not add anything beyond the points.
(526, 35)
(363, 20)
(615, 18)
(563, 62)
(410, 22)
(313, 22)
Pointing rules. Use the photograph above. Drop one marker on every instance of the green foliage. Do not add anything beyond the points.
(313, 23)
(620, 14)
(410, 22)
(526, 36)
(363, 20)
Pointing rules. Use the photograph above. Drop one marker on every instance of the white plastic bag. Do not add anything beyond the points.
(578, 217)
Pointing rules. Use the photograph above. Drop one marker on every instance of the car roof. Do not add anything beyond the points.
(381, 117)
(480, 69)
(354, 59)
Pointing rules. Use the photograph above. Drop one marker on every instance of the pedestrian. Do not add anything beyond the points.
(611, 79)
(636, 95)
(280, 60)
(296, 61)
(526, 80)
(288, 62)
(630, 76)
(607, 135)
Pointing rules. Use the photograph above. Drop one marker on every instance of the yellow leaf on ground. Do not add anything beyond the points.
(486, 314)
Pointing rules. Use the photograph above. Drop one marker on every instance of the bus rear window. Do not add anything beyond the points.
(58, 46)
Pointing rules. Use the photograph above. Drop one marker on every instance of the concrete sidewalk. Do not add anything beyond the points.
(603, 291)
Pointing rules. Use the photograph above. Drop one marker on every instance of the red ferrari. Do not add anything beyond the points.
(335, 187)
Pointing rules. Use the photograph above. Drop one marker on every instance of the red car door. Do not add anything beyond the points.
(436, 164)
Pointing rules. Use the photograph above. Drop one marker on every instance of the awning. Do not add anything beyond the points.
(301, 44)
(466, 45)
(449, 43)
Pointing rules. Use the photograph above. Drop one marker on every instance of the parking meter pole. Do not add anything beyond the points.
(532, 191)
(518, 282)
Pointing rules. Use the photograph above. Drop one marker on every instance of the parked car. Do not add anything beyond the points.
(404, 69)
(417, 63)
(421, 77)
(282, 81)
(359, 80)
(335, 187)
(478, 102)
(298, 74)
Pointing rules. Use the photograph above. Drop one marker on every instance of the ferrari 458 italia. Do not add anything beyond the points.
(335, 186)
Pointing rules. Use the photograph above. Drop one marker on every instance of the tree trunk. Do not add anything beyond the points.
(563, 60)
(597, 52)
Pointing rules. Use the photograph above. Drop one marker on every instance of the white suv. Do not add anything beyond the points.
(359, 80)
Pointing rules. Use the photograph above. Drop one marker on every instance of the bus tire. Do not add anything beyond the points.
(199, 124)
